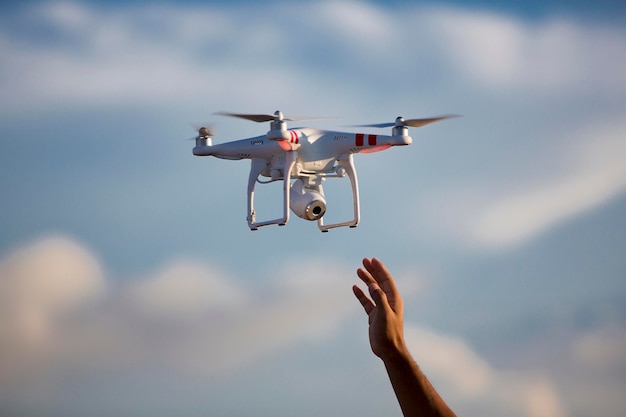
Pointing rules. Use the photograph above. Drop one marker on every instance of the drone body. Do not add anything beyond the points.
(307, 155)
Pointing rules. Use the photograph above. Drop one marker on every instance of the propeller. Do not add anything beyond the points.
(400, 122)
(276, 117)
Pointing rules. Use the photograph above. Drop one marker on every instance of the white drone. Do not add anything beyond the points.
(306, 155)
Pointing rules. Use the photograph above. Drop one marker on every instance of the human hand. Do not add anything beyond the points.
(384, 309)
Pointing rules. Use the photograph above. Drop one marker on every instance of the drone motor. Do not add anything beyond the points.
(204, 137)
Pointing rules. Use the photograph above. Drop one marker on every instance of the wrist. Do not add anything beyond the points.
(395, 354)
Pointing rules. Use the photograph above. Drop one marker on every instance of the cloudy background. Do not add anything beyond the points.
(131, 285)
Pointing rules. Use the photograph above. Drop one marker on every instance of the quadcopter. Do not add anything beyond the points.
(303, 158)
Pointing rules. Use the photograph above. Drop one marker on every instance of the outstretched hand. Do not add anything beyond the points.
(415, 394)
(384, 309)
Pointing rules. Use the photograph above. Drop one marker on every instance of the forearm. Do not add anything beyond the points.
(416, 395)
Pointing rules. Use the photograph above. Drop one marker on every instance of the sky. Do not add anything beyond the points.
(130, 283)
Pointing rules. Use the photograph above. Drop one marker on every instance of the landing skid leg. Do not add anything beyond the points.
(258, 165)
(348, 165)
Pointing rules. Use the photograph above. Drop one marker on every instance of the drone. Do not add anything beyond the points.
(303, 158)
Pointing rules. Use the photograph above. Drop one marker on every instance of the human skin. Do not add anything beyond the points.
(415, 394)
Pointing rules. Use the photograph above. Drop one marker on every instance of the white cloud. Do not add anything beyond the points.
(187, 289)
(601, 350)
(556, 56)
(365, 24)
(117, 57)
(471, 382)
(308, 302)
(42, 281)
(176, 54)
(599, 357)
(511, 206)
(487, 47)
(65, 15)
(596, 173)
(190, 316)
(40, 286)
(193, 318)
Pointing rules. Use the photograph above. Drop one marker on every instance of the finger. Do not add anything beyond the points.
(365, 276)
(378, 295)
(377, 270)
(377, 278)
(367, 304)
(364, 273)
(382, 276)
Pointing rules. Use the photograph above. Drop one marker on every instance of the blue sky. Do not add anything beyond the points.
(130, 283)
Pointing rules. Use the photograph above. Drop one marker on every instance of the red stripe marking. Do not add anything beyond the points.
(371, 140)
(359, 139)
(291, 135)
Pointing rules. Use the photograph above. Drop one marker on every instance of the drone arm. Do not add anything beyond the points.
(348, 164)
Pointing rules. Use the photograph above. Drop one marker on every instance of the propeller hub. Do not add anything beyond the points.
(204, 132)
